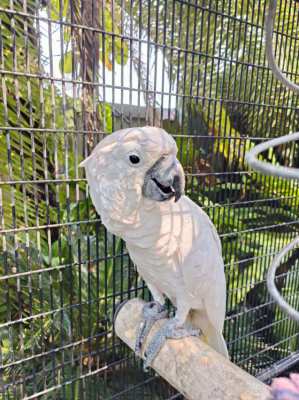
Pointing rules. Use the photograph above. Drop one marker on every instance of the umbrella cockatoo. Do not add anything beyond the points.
(136, 185)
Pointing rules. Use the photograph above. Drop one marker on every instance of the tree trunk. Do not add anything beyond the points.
(86, 13)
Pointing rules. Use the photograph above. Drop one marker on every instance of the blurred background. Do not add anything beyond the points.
(73, 71)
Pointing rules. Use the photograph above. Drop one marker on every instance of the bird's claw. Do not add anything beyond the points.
(151, 312)
(154, 310)
(170, 330)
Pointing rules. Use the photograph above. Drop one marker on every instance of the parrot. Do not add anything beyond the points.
(137, 184)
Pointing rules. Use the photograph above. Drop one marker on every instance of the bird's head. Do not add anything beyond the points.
(133, 163)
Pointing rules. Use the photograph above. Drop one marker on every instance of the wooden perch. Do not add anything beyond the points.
(191, 366)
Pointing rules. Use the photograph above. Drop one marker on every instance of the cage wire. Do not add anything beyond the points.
(276, 170)
(71, 72)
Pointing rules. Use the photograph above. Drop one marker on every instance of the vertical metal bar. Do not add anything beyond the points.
(164, 73)
(171, 66)
(147, 94)
(156, 119)
(178, 74)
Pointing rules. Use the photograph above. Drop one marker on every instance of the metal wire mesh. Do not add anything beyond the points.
(72, 71)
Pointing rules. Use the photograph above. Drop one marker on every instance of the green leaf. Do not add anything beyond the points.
(56, 8)
(66, 63)
(105, 112)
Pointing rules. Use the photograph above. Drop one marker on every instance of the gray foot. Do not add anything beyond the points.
(151, 313)
(170, 330)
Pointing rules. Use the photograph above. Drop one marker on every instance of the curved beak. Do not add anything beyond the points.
(164, 180)
(177, 186)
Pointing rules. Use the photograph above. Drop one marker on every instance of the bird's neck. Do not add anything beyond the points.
(140, 225)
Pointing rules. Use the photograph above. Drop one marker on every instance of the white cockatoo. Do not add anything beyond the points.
(136, 185)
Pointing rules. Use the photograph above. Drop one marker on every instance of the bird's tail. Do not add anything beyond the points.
(211, 335)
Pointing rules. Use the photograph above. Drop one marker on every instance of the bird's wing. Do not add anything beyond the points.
(203, 273)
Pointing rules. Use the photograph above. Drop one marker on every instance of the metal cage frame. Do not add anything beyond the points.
(72, 71)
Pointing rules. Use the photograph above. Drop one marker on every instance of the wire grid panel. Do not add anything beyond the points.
(71, 72)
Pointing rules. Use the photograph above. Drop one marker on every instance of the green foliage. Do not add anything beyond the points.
(105, 112)
(111, 46)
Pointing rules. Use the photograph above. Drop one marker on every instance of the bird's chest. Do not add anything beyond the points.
(159, 267)
(165, 280)
(159, 244)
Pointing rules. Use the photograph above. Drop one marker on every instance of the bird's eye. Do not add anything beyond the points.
(134, 159)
